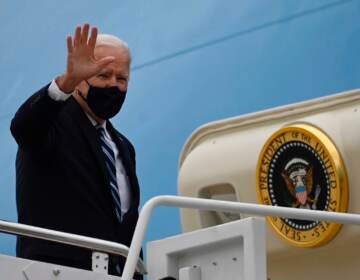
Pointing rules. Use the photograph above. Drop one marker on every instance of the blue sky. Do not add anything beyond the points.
(193, 62)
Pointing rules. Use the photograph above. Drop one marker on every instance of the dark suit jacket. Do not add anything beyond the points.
(62, 181)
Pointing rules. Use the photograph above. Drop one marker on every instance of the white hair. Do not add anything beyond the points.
(113, 41)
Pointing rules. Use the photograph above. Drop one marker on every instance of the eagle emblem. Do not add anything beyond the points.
(298, 177)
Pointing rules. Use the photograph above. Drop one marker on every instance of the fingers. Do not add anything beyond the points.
(69, 44)
(81, 35)
(92, 39)
(85, 33)
(77, 36)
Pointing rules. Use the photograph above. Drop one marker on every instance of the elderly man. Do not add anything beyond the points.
(74, 171)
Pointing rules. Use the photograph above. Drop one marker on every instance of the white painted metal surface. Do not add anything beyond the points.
(12, 268)
(280, 114)
(220, 159)
(234, 251)
(71, 239)
(100, 262)
(190, 273)
(222, 206)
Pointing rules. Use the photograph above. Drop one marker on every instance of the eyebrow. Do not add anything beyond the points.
(104, 71)
(109, 71)
(123, 75)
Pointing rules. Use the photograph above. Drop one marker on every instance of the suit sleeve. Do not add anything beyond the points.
(31, 125)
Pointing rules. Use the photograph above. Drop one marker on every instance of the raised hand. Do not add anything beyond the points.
(81, 62)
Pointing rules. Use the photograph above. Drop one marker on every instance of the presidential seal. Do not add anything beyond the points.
(300, 167)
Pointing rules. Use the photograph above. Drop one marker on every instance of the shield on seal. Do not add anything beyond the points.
(301, 194)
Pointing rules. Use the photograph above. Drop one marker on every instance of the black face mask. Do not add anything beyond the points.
(105, 102)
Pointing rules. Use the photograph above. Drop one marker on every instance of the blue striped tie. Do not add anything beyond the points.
(110, 166)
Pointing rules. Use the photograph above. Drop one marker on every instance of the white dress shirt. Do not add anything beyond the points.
(121, 177)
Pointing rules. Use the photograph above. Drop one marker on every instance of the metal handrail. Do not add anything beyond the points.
(133, 261)
(222, 206)
(71, 239)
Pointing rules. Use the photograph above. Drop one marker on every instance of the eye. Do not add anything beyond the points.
(121, 79)
(103, 76)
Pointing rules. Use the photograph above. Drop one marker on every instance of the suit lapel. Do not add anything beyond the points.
(90, 135)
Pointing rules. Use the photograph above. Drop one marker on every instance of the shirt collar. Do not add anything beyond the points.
(95, 123)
